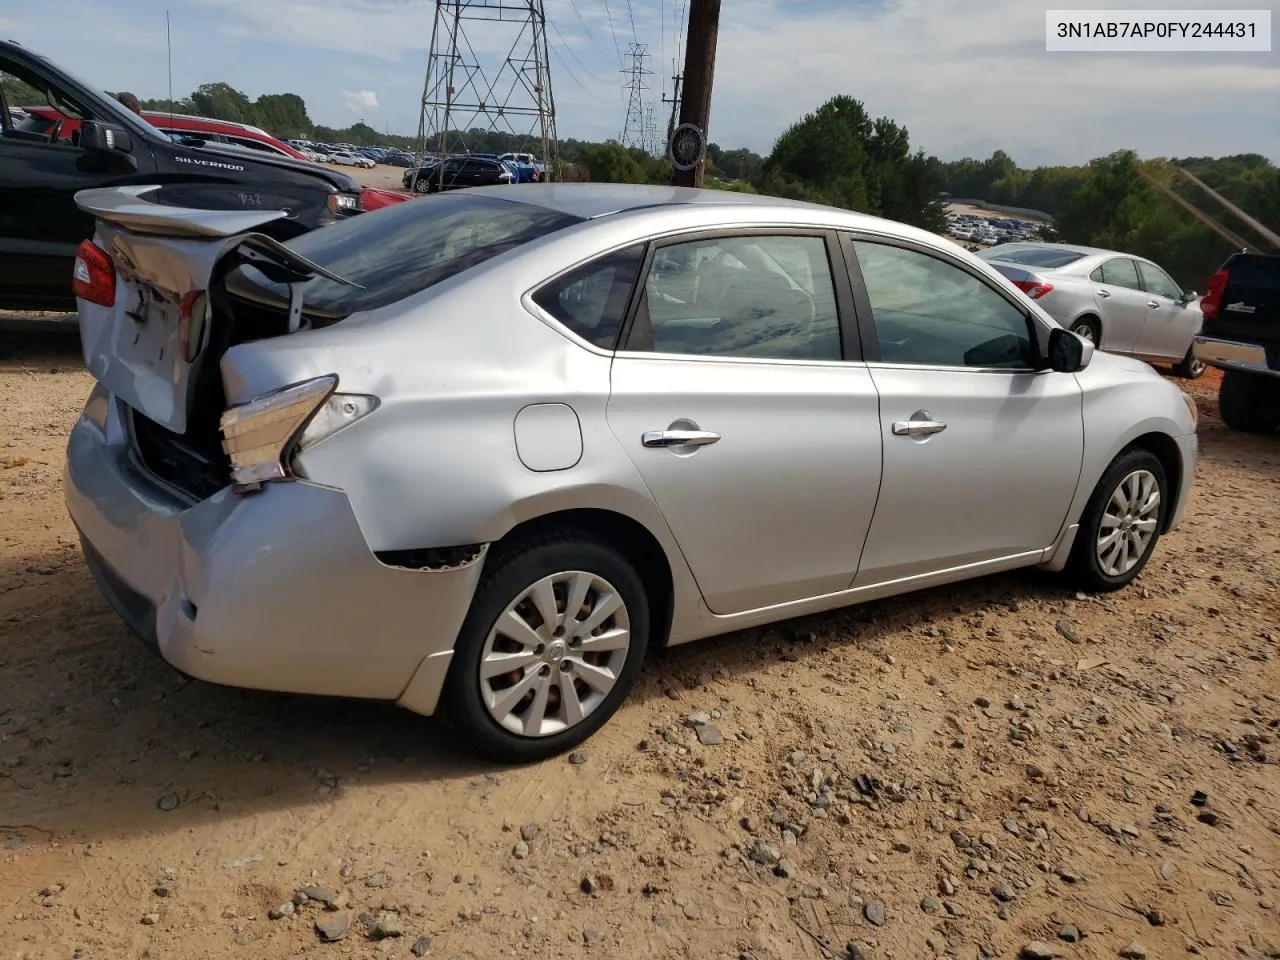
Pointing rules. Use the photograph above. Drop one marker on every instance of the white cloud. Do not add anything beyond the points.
(359, 101)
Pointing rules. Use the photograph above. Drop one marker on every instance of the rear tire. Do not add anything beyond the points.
(1190, 367)
(1121, 523)
(1090, 329)
(574, 672)
(1249, 402)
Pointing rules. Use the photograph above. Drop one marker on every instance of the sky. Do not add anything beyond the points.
(965, 77)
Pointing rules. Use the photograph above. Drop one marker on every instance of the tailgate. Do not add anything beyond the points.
(163, 254)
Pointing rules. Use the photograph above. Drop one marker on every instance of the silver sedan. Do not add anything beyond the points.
(479, 452)
(1123, 303)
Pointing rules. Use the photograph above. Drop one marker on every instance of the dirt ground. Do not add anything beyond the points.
(960, 772)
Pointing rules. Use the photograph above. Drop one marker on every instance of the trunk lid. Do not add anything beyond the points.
(165, 256)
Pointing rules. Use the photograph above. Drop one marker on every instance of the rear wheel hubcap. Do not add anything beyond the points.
(554, 654)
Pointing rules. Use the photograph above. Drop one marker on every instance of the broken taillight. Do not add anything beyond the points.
(193, 324)
(261, 436)
(93, 277)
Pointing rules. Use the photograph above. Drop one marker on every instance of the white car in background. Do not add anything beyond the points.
(351, 160)
(1122, 303)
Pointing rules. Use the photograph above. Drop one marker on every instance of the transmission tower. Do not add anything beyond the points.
(465, 93)
(650, 129)
(633, 128)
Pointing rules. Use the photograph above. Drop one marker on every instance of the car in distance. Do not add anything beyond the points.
(1123, 303)
(1241, 336)
(458, 172)
(478, 452)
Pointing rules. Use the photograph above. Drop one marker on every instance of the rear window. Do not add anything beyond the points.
(1033, 256)
(405, 248)
(1255, 270)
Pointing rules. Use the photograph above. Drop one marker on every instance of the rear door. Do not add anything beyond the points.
(1171, 321)
(733, 397)
(1122, 303)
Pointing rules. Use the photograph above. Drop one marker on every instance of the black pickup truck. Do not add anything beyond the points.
(1241, 336)
(42, 170)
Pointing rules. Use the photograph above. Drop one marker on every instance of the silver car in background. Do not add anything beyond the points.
(1122, 303)
(479, 452)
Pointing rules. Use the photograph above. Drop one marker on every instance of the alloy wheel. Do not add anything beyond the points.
(1084, 332)
(554, 653)
(1128, 523)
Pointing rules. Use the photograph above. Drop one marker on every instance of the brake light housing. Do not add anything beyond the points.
(1211, 302)
(1034, 287)
(260, 437)
(93, 277)
(193, 324)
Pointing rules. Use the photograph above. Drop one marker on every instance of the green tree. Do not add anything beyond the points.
(838, 155)
(284, 114)
(221, 101)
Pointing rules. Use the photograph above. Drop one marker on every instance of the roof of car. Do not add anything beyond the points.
(591, 200)
(1073, 247)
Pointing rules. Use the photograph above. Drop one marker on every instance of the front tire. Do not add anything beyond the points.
(1249, 402)
(1121, 523)
(550, 648)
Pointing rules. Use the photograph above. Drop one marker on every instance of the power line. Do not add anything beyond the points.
(585, 69)
(631, 15)
(587, 30)
(608, 12)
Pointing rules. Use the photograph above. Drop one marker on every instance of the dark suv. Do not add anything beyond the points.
(1241, 336)
(458, 172)
(40, 174)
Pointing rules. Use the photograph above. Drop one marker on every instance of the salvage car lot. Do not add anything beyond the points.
(1028, 761)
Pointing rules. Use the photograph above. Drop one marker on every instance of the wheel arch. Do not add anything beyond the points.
(629, 536)
(1092, 315)
(1165, 449)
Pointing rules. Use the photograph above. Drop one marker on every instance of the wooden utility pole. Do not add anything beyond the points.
(699, 71)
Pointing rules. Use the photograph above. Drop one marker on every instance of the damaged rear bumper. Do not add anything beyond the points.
(275, 591)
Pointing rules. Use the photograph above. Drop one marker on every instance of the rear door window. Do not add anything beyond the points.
(591, 301)
(1119, 272)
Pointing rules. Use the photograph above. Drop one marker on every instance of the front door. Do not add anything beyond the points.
(40, 173)
(982, 453)
(1171, 321)
(757, 440)
(1122, 304)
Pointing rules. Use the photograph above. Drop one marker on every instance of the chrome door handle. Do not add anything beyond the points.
(1104, 294)
(917, 428)
(1153, 304)
(678, 438)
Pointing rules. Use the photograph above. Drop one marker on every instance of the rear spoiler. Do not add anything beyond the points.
(125, 207)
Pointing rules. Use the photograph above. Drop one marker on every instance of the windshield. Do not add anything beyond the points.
(64, 103)
(408, 247)
(1033, 256)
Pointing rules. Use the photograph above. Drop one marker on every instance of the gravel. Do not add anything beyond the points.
(332, 927)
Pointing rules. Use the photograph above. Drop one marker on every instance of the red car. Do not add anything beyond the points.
(224, 131)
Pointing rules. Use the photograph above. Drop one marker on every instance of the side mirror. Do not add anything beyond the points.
(104, 138)
(1189, 296)
(1068, 353)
